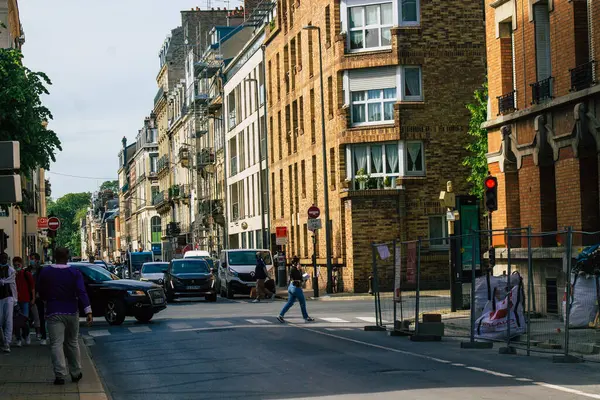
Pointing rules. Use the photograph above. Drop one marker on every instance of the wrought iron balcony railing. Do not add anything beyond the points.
(582, 76)
(506, 103)
(541, 90)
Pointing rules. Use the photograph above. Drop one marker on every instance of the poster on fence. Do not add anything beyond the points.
(411, 263)
(398, 272)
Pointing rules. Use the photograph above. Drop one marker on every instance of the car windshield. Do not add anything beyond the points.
(208, 260)
(154, 268)
(190, 266)
(97, 273)
(247, 257)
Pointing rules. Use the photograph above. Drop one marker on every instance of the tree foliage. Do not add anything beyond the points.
(22, 113)
(477, 147)
(69, 209)
(110, 185)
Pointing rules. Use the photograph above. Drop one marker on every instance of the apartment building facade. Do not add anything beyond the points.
(395, 122)
(127, 179)
(543, 124)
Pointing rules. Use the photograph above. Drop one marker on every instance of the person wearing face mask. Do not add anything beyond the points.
(8, 297)
(26, 297)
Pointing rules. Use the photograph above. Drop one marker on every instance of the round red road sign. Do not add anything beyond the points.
(53, 223)
(314, 212)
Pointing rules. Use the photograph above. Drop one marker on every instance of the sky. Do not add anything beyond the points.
(102, 59)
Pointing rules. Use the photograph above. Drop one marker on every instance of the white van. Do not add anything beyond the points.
(236, 271)
(202, 254)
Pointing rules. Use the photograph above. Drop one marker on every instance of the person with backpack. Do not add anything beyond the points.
(261, 275)
(26, 298)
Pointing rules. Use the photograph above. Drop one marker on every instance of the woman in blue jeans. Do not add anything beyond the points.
(295, 293)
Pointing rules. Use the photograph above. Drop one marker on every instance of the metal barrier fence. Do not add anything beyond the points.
(535, 292)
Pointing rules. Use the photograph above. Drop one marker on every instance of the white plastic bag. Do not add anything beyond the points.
(584, 301)
(493, 323)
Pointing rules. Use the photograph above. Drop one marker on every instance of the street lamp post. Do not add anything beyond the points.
(261, 184)
(325, 178)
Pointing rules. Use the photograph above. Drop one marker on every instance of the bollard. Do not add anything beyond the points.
(371, 284)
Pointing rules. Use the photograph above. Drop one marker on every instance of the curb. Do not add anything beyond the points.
(91, 386)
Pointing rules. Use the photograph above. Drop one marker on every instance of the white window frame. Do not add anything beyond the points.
(444, 245)
(363, 28)
(383, 174)
(415, 173)
(409, 23)
(381, 100)
(404, 96)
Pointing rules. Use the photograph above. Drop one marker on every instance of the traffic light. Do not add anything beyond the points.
(491, 193)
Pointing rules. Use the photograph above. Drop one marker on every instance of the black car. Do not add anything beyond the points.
(189, 277)
(114, 298)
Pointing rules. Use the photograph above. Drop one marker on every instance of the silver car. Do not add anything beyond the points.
(154, 272)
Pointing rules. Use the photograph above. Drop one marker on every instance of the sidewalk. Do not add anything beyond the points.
(323, 296)
(26, 374)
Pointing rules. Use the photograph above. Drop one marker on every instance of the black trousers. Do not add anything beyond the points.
(40, 306)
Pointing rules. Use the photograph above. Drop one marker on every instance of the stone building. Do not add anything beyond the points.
(544, 131)
(396, 76)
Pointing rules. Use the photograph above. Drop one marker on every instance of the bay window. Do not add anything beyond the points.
(383, 160)
(370, 26)
(373, 105)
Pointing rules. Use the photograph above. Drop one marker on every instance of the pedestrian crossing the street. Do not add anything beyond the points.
(328, 323)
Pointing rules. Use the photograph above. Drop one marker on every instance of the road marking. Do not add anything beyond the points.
(524, 379)
(295, 320)
(219, 323)
(99, 332)
(139, 329)
(259, 321)
(339, 329)
(486, 371)
(334, 320)
(458, 365)
(179, 325)
(372, 320)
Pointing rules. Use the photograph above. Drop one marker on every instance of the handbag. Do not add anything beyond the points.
(20, 321)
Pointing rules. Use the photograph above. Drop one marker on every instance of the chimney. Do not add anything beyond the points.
(124, 141)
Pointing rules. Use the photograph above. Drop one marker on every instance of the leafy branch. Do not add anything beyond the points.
(477, 148)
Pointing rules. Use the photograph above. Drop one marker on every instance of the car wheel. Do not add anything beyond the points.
(114, 312)
(229, 291)
(145, 316)
(211, 298)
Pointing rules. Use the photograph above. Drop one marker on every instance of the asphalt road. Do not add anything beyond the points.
(233, 349)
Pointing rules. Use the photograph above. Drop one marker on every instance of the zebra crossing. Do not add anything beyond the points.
(328, 323)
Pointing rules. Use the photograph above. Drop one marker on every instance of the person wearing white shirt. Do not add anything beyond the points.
(8, 299)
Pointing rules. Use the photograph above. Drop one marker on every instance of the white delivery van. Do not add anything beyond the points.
(236, 271)
(200, 254)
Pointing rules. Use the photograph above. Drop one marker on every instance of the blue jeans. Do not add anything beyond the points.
(24, 332)
(295, 293)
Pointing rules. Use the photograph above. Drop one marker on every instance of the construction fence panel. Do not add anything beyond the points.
(382, 282)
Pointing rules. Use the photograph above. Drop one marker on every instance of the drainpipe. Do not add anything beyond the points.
(224, 141)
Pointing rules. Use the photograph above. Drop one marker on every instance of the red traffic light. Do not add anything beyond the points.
(490, 182)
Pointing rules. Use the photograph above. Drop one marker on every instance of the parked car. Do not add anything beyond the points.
(154, 272)
(236, 271)
(114, 298)
(200, 254)
(190, 278)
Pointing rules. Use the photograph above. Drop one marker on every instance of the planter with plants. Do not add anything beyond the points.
(387, 182)
(362, 178)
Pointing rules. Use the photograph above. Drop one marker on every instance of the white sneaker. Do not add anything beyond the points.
(6, 349)
(38, 336)
(19, 343)
(256, 301)
(43, 342)
(27, 340)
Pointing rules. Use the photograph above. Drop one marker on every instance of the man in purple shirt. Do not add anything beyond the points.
(62, 288)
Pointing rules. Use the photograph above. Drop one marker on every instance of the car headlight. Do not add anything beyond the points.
(136, 292)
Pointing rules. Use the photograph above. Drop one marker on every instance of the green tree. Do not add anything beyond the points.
(476, 160)
(110, 185)
(22, 113)
(69, 209)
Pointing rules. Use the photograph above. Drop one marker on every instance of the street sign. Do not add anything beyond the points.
(313, 212)
(314, 224)
(281, 236)
(53, 223)
(42, 223)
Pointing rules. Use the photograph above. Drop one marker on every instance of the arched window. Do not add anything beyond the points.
(156, 229)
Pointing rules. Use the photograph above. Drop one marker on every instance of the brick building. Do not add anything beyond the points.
(543, 126)
(397, 75)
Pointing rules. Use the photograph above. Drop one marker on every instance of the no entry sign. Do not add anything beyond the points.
(313, 212)
(53, 223)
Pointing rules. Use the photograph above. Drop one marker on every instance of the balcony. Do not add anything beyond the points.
(582, 76)
(173, 229)
(163, 164)
(541, 90)
(204, 158)
(152, 175)
(201, 126)
(159, 198)
(506, 103)
(184, 156)
(125, 188)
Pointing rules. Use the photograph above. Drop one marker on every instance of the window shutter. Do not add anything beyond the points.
(372, 78)
(542, 41)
